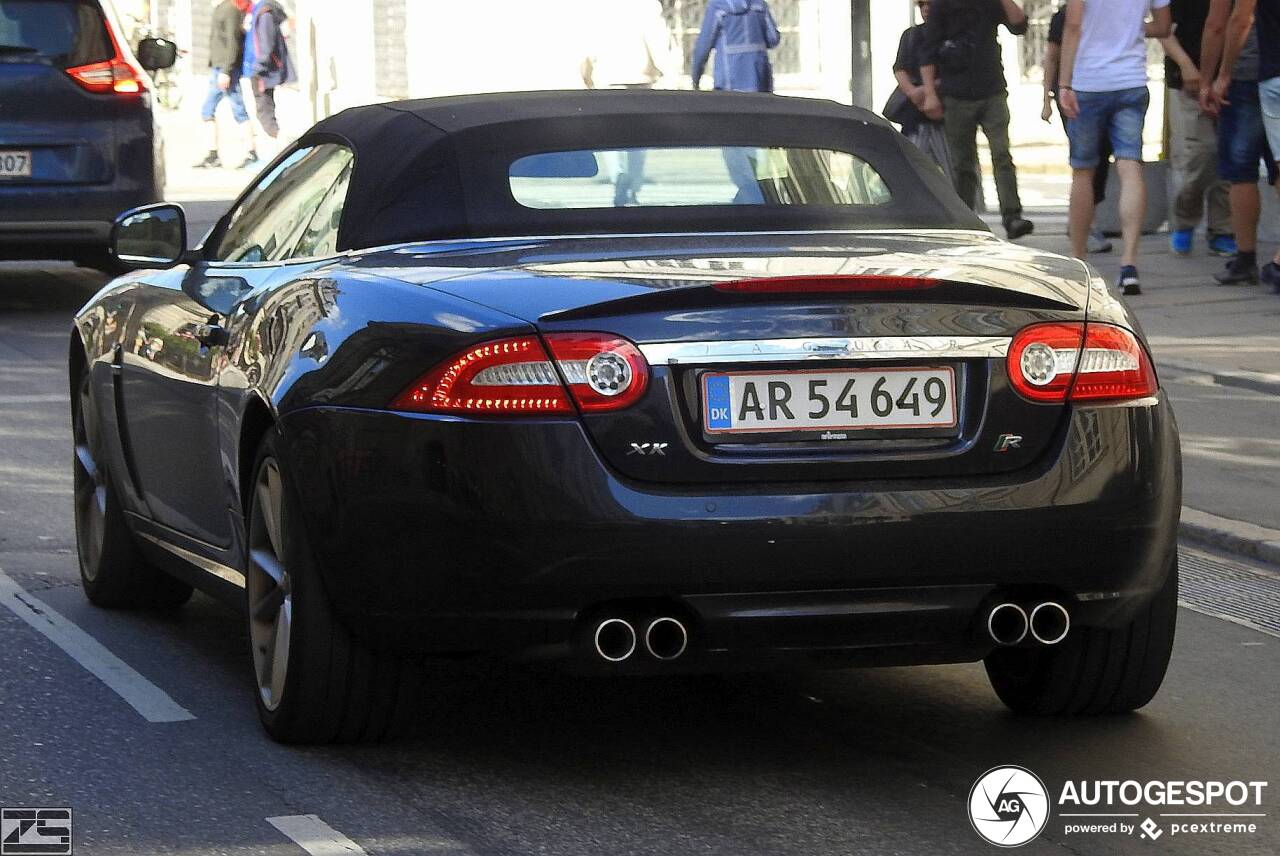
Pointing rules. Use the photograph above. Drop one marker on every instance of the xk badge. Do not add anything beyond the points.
(649, 449)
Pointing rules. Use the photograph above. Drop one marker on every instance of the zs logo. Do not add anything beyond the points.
(30, 831)
(649, 449)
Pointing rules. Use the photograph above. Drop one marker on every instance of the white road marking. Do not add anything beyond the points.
(35, 398)
(153, 703)
(315, 836)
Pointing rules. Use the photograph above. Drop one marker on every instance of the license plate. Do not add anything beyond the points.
(834, 400)
(15, 164)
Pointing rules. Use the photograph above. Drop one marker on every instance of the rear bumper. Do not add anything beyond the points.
(447, 534)
(55, 221)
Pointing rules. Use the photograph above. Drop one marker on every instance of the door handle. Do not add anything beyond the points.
(212, 335)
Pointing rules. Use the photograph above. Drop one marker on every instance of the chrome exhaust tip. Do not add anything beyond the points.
(1049, 623)
(615, 639)
(666, 638)
(1007, 624)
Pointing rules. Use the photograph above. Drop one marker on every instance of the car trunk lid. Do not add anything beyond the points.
(711, 313)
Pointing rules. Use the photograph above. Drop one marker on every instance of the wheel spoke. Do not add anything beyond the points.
(264, 561)
(280, 651)
(267, 607)
(85, 458)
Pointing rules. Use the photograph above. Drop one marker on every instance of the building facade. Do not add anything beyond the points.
(351, 53)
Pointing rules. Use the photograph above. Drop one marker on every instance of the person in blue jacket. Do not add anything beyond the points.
(742, 32)
(266, 60)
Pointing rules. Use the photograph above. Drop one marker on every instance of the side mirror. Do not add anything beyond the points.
(153, 236)
(156, 54)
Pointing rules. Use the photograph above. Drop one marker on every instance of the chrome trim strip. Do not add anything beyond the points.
(814, 348)
(933, 231)
(218, 569)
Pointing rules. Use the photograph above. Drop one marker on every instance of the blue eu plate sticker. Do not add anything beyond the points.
(719, 409)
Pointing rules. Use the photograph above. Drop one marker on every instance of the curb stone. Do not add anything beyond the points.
(1263, 382)
(1235, 536)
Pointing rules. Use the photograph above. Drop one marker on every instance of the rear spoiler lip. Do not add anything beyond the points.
(712, 294)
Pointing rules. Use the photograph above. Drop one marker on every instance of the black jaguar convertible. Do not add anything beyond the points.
(639, 382)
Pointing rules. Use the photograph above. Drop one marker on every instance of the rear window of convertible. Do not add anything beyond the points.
(663, 177)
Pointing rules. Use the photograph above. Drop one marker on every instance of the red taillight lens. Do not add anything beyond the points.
(1087, 362)
(835, 283)
(516, 377)
(114, 75)
(503, 377)
(604, 372)
(1113, 366)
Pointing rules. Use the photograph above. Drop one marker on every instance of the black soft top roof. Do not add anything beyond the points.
(438, 167)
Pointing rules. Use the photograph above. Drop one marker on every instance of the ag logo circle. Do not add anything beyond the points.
(1008, 806)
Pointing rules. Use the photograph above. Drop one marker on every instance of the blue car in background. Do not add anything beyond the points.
(78, 138)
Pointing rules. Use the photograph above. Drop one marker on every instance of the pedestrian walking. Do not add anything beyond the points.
(632, 49)
(266, 60)
(904, 105)
(1268, 24)
(1193, 137)
(965, 89)
(226, 56)
(1229, 89)
(1050, 64)
(1102, 89)
(742, 32)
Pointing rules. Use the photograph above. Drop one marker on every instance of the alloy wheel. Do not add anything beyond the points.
(89, 486)
(268, 586)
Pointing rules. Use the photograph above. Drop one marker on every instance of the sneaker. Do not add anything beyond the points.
(211, 161)
(1239, 271)
(1018, 227)
(1180, 241)
(1270, 276)
(1129, 281)
(1098, 242)
(1222, 245)
(251, 160)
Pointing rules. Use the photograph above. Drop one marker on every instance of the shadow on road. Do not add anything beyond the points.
(46, 286)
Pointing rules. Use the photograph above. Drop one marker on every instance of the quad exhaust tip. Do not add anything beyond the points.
(666, 638)
(1049, 623)
(1007, 623)
(615, 639)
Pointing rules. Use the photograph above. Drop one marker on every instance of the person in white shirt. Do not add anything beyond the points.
(632, 48)
(1102, 89)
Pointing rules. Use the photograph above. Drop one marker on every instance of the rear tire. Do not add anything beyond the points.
(313, 682)
(112, 571)
(1094, 670)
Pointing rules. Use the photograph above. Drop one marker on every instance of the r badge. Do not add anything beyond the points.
(1005, 442)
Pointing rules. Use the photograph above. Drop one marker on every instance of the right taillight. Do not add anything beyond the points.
(1074, 361)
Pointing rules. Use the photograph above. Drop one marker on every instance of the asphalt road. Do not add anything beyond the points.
(511, 761)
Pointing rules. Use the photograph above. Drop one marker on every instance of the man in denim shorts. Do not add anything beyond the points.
(1102, 85)
(1269, 89)
(226, 53)
(1246, 95)
(1230, 91)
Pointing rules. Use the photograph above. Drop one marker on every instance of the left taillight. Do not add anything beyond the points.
(1058, 362)
(518, 377)
(115, 75)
